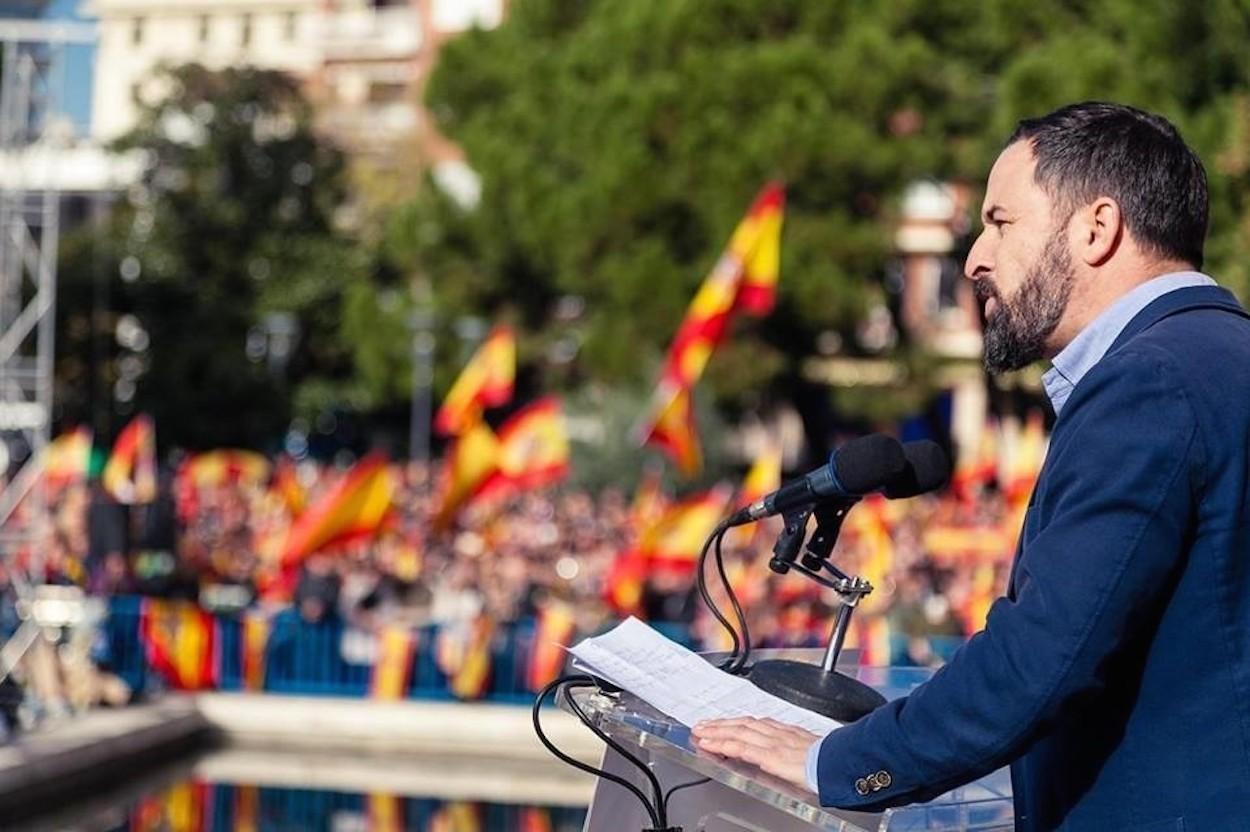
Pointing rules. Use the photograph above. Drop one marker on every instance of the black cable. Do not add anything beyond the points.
(656, 814)
(681, 786)
(701, 580)
(741, 661)
(656, 789)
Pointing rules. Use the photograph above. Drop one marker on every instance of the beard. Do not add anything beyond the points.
(1015, 336)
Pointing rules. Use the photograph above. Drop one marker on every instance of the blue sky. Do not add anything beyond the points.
(79, 63)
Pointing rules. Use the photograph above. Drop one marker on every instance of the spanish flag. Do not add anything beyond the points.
(552, 632)
(288, 488)
(471, 460)
(671, 427)
(254, 641)
(676, 540)
(130, 473)
(386, 812)
(486, 381)
(355, 508)
(457, 817)
(650, 501)
(66, 458)
(393, 667)
(224, 467)
(533, 449)
(1028, 454)
(179, 641)
(464, 655)
(757, 245)
(763, 478)
(977, 466)
(745, 277)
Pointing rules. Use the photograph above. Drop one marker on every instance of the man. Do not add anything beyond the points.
(1115, 674)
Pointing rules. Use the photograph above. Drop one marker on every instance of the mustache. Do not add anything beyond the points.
(984, 290)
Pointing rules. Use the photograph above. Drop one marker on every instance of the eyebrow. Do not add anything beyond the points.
(988, 214)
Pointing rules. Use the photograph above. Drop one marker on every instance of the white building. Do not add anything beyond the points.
(363, 60)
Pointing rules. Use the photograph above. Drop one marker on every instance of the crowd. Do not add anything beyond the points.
(936, 562)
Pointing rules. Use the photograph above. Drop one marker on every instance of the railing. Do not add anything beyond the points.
(306, 658)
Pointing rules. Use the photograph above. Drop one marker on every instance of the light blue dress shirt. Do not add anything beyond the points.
(1070, 366)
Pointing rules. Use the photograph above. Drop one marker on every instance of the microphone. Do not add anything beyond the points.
(927, 469)
(859, 467)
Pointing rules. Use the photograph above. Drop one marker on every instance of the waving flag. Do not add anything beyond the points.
(355, 508)
(486, 381)
(675, 541)
(130, 473)
(66, 458)
(745, 277)
(672, 429)
(533, 449)
(763, 478)
(222, 467)
(471, 460)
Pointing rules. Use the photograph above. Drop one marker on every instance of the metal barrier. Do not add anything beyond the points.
(302, 657)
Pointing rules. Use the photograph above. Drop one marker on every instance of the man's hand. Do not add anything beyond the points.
(777, 748)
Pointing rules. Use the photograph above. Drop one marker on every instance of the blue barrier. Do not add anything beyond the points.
(306, 658)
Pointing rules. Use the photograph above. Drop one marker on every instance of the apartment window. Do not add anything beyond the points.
(205, 28)
(245, 31)
(136, 31)
(289, 25)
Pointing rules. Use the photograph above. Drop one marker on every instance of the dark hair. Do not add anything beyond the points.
(1139, 159)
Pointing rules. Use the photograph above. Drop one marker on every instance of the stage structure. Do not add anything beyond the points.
(32, 122)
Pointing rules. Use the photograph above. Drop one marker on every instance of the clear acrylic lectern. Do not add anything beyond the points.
(738, 797)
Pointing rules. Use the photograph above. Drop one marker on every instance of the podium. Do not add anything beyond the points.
(738, 797)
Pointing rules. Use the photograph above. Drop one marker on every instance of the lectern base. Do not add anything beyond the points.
(807, 685)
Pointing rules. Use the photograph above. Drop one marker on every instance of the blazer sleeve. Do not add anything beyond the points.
(1121, 492)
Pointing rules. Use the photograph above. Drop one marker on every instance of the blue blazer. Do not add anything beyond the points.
(1114, 676)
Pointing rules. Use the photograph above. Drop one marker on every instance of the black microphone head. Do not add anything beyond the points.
(927, 469)
(868, 463)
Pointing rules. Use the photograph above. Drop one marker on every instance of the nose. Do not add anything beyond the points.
(980, 260)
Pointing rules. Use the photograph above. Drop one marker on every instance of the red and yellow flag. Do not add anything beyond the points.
(66, 458)
(456, 817)
(471, 460)
(1026, 460)
(671, 428)
(977, 466)
(533, 449)
(130, 473)
(287, 486)
(624, 581)
(386, 813)
(763, 478)
(246, 808)
(355, 508)
(675, 541)
(393, 667)
(486, 381)
(180, 642)
(535, 819)
(464, 655)
(225, 467)
(745, 277)
(552, 632)
(255, 640)
(650, 501)
(757, 245)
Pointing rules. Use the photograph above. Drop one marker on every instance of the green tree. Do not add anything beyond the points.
(227, 237)
(618, 143)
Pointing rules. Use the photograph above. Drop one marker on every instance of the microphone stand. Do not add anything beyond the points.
(822, 689)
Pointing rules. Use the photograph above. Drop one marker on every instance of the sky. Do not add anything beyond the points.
(79, 62)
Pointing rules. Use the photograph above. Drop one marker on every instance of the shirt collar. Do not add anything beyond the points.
(1092, 342)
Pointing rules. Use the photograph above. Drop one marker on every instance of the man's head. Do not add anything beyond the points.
(1082, 205)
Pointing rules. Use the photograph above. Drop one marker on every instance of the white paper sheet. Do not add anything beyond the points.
(675, 681)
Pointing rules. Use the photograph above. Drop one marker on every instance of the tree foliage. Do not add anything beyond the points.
(618, 144)
(230, 223)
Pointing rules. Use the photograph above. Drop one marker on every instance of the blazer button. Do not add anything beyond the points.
(872, 782)
(884, 779)
(861, 786)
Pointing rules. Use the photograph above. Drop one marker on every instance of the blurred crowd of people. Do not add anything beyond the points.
(936, 562)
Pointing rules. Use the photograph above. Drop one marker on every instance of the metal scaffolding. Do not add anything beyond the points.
(32, 61)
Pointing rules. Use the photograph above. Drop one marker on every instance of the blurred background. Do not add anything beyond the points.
(367, 349)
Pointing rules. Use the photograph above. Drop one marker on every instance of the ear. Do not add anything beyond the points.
(1097, 230)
